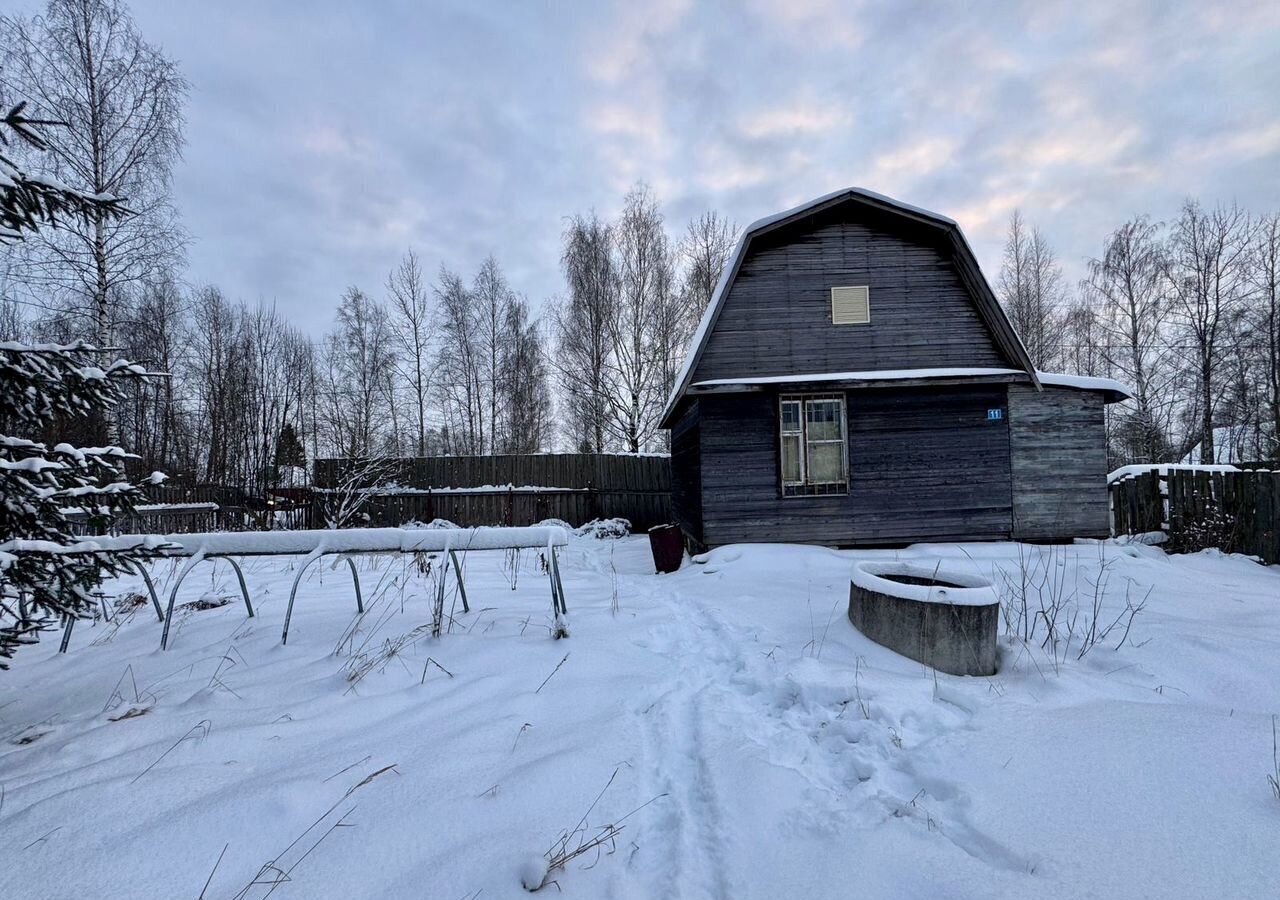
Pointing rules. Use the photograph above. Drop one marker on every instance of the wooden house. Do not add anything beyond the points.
(855, 382)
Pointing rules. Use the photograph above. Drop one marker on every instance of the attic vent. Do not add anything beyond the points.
(850, 305)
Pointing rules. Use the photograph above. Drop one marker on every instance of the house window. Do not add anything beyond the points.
(812, 444)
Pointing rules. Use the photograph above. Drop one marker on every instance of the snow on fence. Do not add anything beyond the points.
(515, 489)
(189, 509)
(1235, 511)
(338, 542)
(602, 471)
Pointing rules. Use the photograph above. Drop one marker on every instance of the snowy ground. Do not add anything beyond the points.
(779, 753)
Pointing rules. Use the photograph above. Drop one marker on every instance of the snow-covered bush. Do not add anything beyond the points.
(46, 572)
(603, 529)
(433, 524)
(558, 523)
(1212, 529)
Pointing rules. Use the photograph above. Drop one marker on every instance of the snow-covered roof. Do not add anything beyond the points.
(1087, 383)
(868, 375)
(1115, 389)
(709, 316)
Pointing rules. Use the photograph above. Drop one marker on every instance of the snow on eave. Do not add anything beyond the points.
(1114, 389)
(869, 375)
(694, 350)
(1087, 383)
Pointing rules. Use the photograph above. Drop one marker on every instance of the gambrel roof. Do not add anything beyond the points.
(988, 307)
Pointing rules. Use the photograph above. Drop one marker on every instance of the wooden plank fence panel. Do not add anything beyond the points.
(622, 472)
(1238, 512)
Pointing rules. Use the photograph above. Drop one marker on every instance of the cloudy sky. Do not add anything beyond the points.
(324, 138)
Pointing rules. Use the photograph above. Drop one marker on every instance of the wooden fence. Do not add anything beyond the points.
(179, 509)
(466, 490)
(1238, 512)
(597, 471)
(516, 489)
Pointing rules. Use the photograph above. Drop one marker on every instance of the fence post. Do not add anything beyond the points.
(593, 500)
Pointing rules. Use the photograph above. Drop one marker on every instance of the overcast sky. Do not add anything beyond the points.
(325, 138)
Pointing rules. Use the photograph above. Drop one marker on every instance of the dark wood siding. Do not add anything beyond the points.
(741, 500)
(929, 465)
(776, 319)
(925, 464)
(686, 472)
(1058, 446)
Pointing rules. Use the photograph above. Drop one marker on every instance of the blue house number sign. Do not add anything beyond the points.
(995, 415)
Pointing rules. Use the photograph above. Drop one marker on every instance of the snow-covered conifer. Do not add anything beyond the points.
(46, 571)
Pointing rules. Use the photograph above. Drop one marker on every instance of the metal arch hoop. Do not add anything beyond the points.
(355, 580)
(293, 591)
(173, 594)
(151, 587)
(462, 587)
(244, 588)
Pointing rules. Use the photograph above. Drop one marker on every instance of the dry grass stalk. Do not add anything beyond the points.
(275, 872)
(377, 660)
(202, 727)
(553, 672)
(1274, 778)
(583, 838)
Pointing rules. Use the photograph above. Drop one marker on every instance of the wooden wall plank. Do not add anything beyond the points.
(1059, 463)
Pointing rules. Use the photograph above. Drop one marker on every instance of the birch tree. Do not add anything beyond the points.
(491, 297)
(524, 395)
(153, 420)
(705, 251)
(413, 329)
(1130, 288)
(84, 64)
(582, 326)
(359, 359)
(1208, 266)
(644, 266)
(459, 381)
(1031, 290)
(1264, 276)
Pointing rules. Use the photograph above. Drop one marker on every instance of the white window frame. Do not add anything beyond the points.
(805, 487)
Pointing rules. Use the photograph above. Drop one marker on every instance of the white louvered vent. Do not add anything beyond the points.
(850, 305)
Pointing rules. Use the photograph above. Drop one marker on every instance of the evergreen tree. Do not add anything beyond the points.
(289, 449)
(46, 572)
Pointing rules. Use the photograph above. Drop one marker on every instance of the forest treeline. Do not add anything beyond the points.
(436, 360)
(1185, 313)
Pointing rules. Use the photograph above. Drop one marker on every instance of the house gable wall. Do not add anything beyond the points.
(776, 317)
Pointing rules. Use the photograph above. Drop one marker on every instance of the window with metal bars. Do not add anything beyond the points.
(812, 445)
